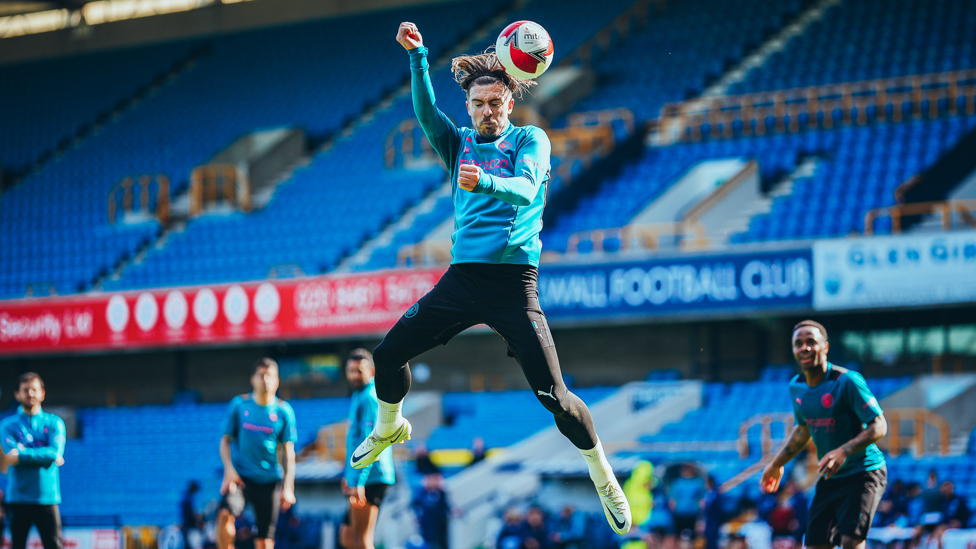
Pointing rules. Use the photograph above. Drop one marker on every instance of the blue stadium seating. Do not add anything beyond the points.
(501, 418)
(47, 102)
(681, 51)
(135, 462)
(284, 76)
(53, 227)
(860, 168)
(872, 39)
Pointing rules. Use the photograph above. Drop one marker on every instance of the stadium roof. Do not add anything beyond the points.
(18, 7)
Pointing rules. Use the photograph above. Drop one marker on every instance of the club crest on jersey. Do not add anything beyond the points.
(504, 146)
(827, 400)
(273, 417)
(412, 311)
(798, 401)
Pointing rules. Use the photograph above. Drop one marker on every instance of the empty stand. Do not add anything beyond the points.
(872, 39)
(859, 168)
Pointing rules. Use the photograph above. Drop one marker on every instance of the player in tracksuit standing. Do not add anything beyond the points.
(364, 487)
(499, 174)
(33, 447)
(834, 407)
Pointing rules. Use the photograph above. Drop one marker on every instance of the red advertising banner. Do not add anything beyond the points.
(319, 307)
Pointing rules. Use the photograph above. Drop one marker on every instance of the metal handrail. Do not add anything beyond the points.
(643, 235)
(210, 181)
(127, 186)
(678, 120)
(963, 207)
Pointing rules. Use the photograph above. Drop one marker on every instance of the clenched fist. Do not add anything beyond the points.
(468, 176)
(408, 35)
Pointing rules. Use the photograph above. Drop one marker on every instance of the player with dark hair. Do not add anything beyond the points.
(499, 174)
(259, 431)
(835, 408)
(33, 447)
(364, 487)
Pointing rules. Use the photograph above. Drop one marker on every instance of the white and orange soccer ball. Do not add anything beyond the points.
(524, 49)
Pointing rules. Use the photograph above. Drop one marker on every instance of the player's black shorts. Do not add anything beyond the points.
(265, 498)
(374, 496)
(503, 296)
(845, 506)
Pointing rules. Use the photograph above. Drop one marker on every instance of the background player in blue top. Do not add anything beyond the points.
(259, 431)
(499, 174)
(365, 487)
(835, 408)
(33, 446)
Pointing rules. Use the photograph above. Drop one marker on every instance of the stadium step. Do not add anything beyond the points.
(763, 204)
(385, 238)
(485, 489)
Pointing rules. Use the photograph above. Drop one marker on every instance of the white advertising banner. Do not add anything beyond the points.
(893, 271)
(959, 539)
(78, 538)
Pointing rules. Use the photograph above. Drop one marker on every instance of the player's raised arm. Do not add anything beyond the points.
(443, 135)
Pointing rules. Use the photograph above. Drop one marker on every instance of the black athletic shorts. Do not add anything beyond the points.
(503, 296)
(845, 506)
(374, 496)
(47, 519)
(265, 499)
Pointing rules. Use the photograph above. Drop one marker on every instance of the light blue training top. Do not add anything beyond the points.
(39, 440)
(500, 221)
(256, 431)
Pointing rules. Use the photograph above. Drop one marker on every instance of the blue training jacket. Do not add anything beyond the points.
(363, 408)
(39, 440)
(500, 221)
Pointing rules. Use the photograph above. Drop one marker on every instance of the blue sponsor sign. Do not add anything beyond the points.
(699, 284)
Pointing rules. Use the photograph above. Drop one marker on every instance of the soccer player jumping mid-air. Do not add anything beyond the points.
(499, 174)
(834, 406)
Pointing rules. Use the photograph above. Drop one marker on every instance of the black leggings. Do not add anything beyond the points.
(47, 518)
(506, 298)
